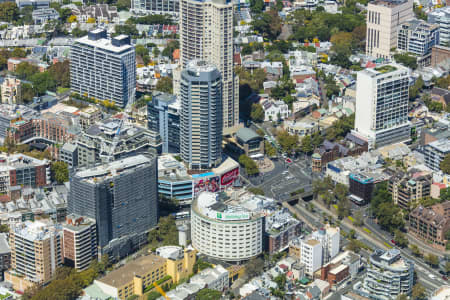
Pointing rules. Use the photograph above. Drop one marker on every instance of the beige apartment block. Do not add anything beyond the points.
(11, 91)
(206, 33)
(383, 20)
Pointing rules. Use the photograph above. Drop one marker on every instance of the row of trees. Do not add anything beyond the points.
(67, 282)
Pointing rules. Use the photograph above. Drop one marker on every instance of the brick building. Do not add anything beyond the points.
(431, 223)
(439, 55)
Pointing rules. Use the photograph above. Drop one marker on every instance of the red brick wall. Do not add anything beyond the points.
(41, 178)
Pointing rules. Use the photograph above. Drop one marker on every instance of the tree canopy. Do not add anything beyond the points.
(445, 164)
(59, 172)
(165, 85)
(249, 164)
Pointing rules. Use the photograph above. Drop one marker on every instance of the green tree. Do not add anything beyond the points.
(4, 55)
(200, 265)
(208, 294)
(343, 208)
(432, 260)
(59, 172)
(354, 246)
(327, 198)
(60, 73)
(254, 267)
(43, 82)
(407, 60)
(4, 228)
(359, 218)
(280, 280)
(123, 4)
(164, 234)
(127, 29)
(287, 142)
(268, 24)
(400, 239)
(8, 12)
(257, 113)
(142, 51)
(402, 297)
(340, 191)
(165, 85)
(19, 52)
(153, 295)
(257, 6)
(249, 164)
(306, 144)
(27, 92)
(447, 267)
(269, 149)
(171, 46)
(25, 70)
(445, 164)
(418, 292)
(415, 250)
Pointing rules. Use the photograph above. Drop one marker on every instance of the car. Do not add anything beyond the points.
(444, 278)
(393, 242)
(431, 276)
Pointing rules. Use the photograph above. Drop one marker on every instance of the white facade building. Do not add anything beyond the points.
(329, 238)
(275, 110)
(206, 33)
(103, 69)
(382, 96)
(311, 255)
(383, 20)
(214, 278)
(225, 232)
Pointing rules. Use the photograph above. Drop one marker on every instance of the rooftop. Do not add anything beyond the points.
(138, 267)
(442, 145)
(37, 230)
(247, 134)
(104, 44)
(114, 168)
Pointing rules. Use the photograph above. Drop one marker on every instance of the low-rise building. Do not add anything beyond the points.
(42, 16)
(134, 277)
(388, 275)
(79, 242)
(249, 142)
(345, 265)
(435, 153)
(212, 278)
(101, 13)
(275, 110)
(180, 262)
(408, 188)
(441, 95)
(431, 224)
(440, 55)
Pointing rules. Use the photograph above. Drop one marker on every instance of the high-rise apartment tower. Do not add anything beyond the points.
(201, 115)
(206, 33)
(102, 68)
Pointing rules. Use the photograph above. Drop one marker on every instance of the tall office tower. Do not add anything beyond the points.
(383, 20)
(382, 105)
(201, 115)
(163, 117)
(35, 253)
(103, 68)
(206, 33)
(121, 197)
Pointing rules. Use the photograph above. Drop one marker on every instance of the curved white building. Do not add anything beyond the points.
(225, 232)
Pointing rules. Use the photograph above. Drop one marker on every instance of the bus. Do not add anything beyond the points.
(181, 215)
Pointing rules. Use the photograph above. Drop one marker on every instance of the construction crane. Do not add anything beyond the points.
(160, 290)
(108, 157)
